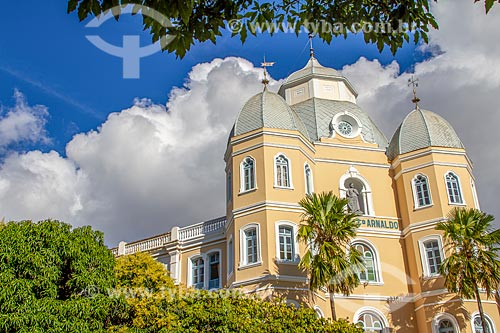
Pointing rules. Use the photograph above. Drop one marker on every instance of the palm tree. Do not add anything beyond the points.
(327, 231)
(473, 262)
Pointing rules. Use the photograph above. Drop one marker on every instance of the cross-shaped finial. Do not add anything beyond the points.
(414, 82)
(311, 49)
(264, 65)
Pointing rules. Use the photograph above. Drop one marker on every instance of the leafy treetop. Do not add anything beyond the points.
(187, 22)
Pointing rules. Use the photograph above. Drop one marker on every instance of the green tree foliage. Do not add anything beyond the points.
(140, 270)
(157, 305)
(330, 259)
(473, 261)
(203, 311)
(193, 21)
(55, 279)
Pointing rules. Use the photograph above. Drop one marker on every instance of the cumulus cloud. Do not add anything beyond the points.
(150, 167)
(22, 123)
(461, 83)
(146, 168)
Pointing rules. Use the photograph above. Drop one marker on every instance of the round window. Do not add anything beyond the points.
(346, 125)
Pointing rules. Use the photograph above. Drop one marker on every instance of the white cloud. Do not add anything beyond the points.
(22, 123)
(462, 84)
(150, 167)
(146, 168)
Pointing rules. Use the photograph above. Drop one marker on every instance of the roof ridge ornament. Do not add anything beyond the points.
(412, 81)
(264, 65)
(311, 49)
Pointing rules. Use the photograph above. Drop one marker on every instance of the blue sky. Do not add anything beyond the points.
(44, 54)
(78, 143)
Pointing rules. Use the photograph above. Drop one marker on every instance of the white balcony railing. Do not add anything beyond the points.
(186, 233)
(201, 229)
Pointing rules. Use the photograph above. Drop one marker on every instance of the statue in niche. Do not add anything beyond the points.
(353, 200)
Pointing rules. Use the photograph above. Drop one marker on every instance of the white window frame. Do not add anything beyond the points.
(309, 183)
(206, 268)
(243, 247)
(242, 175)
(230, 256)
(319, 312)
(295, 254)
(376, 261)
(289, 164)
(444, 316)
(373, 311)
(423, 254)
(459, 184)
(190, 269)
(488, 318)
(415, 194)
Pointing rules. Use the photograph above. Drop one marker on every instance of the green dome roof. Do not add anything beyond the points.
(267, 109)
(422, 129)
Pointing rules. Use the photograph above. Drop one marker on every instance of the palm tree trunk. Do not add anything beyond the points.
(332, 303)
(480, 307)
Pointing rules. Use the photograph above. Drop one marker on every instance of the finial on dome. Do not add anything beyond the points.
(264, 65)
(414, 82)
(311, 49)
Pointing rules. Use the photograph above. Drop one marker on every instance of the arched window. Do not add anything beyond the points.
(369, 273)
(445, 326)
(286, 243)
(478, 327)
(247, 174)
(431, 250)
(453, 188)
(445, 323)
(309, 181)
(371, 322)
(214, 270)
(282, 176)
(198, 272)
(250, 245)
(421, 191)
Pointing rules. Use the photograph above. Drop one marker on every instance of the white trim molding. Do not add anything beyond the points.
(295, 250)
(371, 310)
(253, 175)
(376, 260)
(308, 180)
(444, 316)
(243, 247)
(416, 204)
(491, 323)
(289, 171)
(423, 254)
(460, 191)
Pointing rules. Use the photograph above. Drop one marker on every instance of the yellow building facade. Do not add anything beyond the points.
(311, 136)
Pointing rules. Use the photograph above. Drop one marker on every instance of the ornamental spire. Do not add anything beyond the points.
(311, 49)
(414, 82)
(264, 65)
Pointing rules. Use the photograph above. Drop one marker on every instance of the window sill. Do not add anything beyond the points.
(422, 207)
(286, 262)
(431, 277)
(457, 204)
(245, 266)
(248, 191)
(283, 187)
(371, 283)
